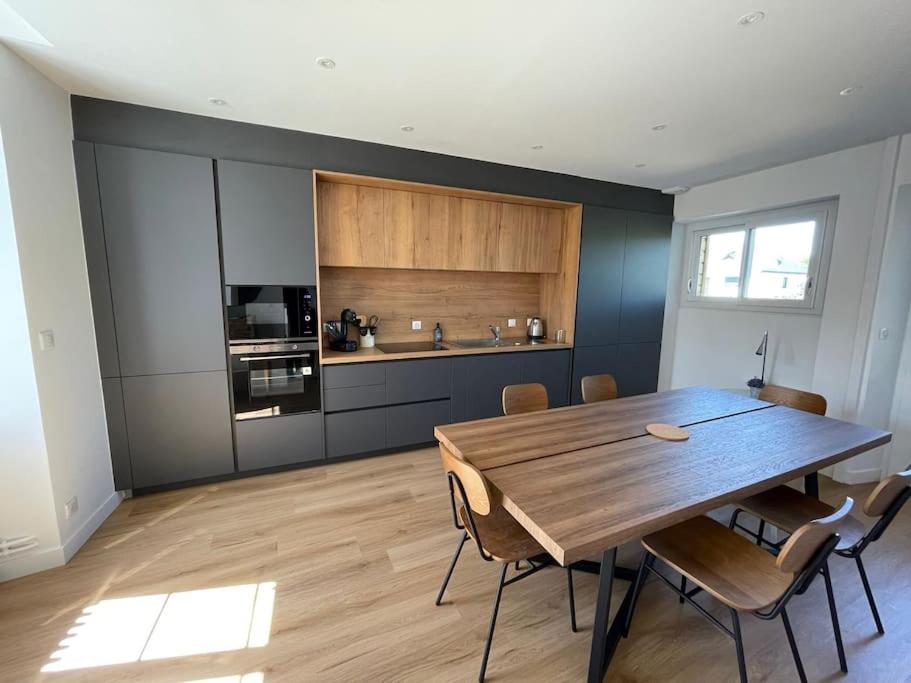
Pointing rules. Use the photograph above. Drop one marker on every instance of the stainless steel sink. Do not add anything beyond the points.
(488, 343)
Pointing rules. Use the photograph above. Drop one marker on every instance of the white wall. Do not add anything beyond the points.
(826, 353)
(37, 133)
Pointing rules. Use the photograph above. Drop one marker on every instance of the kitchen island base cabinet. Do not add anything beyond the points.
(280, 440)
(179, 427)
(355, 432)
(413, 423)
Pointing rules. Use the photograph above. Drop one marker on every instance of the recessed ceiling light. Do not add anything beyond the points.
(640, 165)
(217, 101)
(325, 62)
(751, 18)
(659, 127)
(406, 129)
(676, 189)
(537, 147)
(850, 90)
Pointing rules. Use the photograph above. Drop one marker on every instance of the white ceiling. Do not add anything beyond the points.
(488, 79)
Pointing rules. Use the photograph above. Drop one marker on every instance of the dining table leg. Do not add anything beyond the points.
(606, 632)
(811, 485)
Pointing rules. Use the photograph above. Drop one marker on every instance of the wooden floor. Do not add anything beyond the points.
(356, 552)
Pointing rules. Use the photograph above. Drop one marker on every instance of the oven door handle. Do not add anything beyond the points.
(247, 359)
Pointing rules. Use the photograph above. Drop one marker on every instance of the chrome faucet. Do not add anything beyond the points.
(496, 332)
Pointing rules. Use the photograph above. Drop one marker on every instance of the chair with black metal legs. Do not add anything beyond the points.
(788, 509)
(497, 535)
(739, 574)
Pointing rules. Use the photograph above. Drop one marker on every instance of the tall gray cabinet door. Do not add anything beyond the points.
(162, 246)
(266, 224)
(550, 368)
(600, 275)
(594, 360)
(637, 368)
(117, 433)
(179, 427)
(96, 258)
(648, 241)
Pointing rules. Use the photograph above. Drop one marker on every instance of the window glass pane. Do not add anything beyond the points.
(720, 257)
(781, 261)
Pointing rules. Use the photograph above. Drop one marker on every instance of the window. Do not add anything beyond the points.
(773, 260)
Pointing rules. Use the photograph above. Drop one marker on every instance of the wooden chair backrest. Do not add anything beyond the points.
(793, 398)
(524, 398)
(885, 493)
(803, 543)
(477, 490)
(598, 388)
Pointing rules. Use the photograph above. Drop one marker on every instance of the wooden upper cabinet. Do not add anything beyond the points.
(473, 242)
(529, 239)
(399, 228)
(351, 226)
(436, 233)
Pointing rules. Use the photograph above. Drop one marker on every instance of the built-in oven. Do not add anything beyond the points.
(271, 379)
(273, 336)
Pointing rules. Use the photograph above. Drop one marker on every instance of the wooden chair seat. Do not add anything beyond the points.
(502, 536)
(789, 509)
(723, 563)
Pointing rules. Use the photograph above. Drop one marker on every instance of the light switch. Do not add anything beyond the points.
(884, 333)
(46, 340)
(511, 322)
(415, 324)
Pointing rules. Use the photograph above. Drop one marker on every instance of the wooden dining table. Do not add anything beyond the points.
(583, 480)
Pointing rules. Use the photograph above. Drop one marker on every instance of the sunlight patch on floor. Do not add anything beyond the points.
(143, 628)
(255, 677)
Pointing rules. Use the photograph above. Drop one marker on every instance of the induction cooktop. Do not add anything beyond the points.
(409, 347)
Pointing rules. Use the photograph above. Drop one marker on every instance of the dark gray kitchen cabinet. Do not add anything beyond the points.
(637, 368)
(356, 375)
(600, 276)
(413, 423)
(648, 239)
(418, 380)
(355, 432)
(550, 368)
(593, 360)
(96, 259)
(478, 381)
(162, 248)
(282, 440)
(352, 398)
(112, 390)
(266, 224)
(179, 427)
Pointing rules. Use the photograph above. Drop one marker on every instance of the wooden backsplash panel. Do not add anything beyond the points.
(464, 303)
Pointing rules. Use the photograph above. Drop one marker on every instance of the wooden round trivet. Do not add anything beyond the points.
(667, 432)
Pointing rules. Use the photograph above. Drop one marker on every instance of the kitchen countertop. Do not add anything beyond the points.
(330, 357)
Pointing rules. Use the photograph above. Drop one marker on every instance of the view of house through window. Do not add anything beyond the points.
(774, 258)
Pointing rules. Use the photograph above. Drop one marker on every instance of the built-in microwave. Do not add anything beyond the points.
(271, 313)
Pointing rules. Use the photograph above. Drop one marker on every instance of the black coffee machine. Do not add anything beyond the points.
(338, 332)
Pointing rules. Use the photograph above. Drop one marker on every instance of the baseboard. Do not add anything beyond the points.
(864, 476)
(31, 562)
(90, 526)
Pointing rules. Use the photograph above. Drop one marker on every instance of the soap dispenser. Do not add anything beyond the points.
(437, 334)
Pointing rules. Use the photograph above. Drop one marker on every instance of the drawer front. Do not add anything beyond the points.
(359, 375)
(418, 380)
(274, 441)
(352, 398)
(413, 423)
(357, 431)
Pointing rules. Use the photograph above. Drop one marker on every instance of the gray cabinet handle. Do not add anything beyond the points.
(247, 359)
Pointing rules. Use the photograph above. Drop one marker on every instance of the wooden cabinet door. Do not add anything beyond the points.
(351, 226)
(474, 225)
(435, 232)
(399, 218)
(529, 239)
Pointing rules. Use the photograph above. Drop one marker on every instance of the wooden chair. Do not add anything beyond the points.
(598, 388)
(497, 536)
(739, 574)
(793, 398)
(524, 398)
(788, 510)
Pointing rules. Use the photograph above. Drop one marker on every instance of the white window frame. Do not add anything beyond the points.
(823, 212)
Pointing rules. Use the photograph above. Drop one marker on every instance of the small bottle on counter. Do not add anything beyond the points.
(437, 334)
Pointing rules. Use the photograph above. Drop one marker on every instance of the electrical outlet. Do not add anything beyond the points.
(46, 340)
(71, 507)
(415, 324)
(511, 322)
(527, 322)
